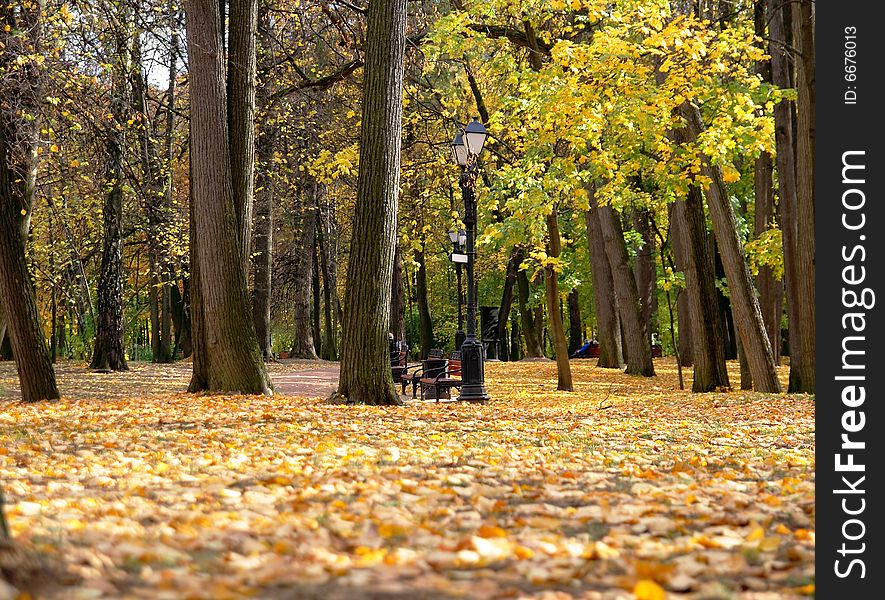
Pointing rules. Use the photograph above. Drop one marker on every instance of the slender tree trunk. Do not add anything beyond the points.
(316, 300)
(303, 252)
(332, 307)
(803, 38)
(575, 332)
(516, 258)
(109, 353)
(226, 353)
(262, 261)
(608, 324)
(646, 272)
(702, 311)
(18, 167)
(638, 349)
(425, 322)
(181, 318)
(551, 281)
(515, 349)
(398, 298)
(743, 296)
(680, 252)
(365, 362)
(533, 347)
(771, 288)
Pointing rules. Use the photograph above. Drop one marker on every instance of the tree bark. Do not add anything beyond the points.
(226, 353)
(109, 353)
(703, 315)
(533, 347)
(316, 301)
(328, 264)
(21, 87)
(608, 324)
(803, 38)
(425, 322)
(398, 298)
(365, 362)
(748, 317)
(646, 272)
(303, 254)
(551, 282)
(262, 261)
(513, 263)
(241, 70)
(677, 241)
(636, 339)
(575, 331)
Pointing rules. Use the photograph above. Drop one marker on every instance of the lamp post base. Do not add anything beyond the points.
(472, 372)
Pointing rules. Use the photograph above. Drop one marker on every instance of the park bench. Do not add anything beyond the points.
(444, 381)
(412, 374)
(398, 364)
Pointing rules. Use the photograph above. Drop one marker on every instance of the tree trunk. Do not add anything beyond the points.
(748, 317)
(803, 39)
(746, 376)
(636, 340)
(262, 261)
(328, 264)
(677, 241)
(551, 281)
(18, 167)
(425, 322)
(109, 353)
(608, 324)
(646, 272)
(181, 318)
(398, 298)
(226, 353)
(575, 331)
(771, 288)
(516, 258)
(702, 310)
(303, 255)
(365, 362)
(316, 300)
(241, 68)
(515, 349)
(533, 347)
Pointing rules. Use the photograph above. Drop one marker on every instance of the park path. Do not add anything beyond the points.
(312, 383)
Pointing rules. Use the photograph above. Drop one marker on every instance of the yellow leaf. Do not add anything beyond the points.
(646, 589)
(53, 148)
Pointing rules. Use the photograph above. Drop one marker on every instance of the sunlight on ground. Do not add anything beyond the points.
(623, 489)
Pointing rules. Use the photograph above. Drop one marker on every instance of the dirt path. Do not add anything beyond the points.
(311, 383)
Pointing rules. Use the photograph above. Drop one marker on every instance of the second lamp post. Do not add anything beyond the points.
(466, 147)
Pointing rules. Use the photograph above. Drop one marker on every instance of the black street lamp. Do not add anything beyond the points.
(459, 240)
(466, 148)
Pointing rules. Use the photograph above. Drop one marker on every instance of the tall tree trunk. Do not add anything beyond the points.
(608, 324)
(226, 353)
(241, 69)
(316, 301)
(743, 296)
(398, 298)
(109, 353)
(703, 315)
(328, 264)
(803, 38)
(551, 282)
(262, 261)
(303, 253)
(515, 349)
(677, 241)
(646, 273)
(425, 322)
(575, 331)
(365, 362)
(513, 263)
(21, 87)
(771, 288)
(181, 317)
(636, 339)
(533, 347)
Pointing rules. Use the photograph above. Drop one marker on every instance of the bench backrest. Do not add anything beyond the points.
(435, 353)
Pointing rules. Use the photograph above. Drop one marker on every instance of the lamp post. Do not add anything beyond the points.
(466, 148)
(459, 240)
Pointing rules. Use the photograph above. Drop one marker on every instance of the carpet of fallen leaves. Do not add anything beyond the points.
(626, 488)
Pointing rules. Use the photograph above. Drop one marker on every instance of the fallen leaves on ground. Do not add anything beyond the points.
(626, 488)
